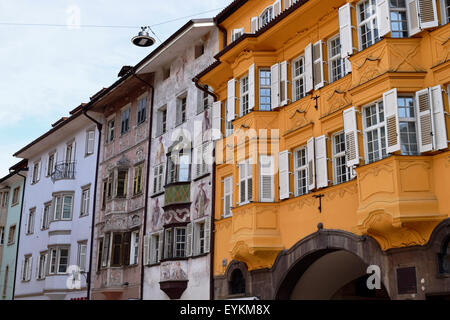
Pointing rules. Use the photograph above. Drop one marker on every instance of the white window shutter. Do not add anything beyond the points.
(30, 266)
(148, 250)
(197, 161)
(242, 183)
(251, 87)
(23, 269)
(275, 85)
(283, 83)
(37, 267)
(383, 17)
(390, 103)
(91, 141)
(309, 85)
(351, 137)
(283, 174)
(254, 24)
(189, 240)
(287, 4)
(160, 245)
(440, 128)
(208, 234)
(231, 101)
(277, 8)
(318, 65)
(428, 14)
(311, 164)
(424, 120)
(45, 264)
(266, 179)
(42, 219)
(321, 162)
(413, 17)
(228, 196)
(345, 30)
(249, 172)
(216, 121)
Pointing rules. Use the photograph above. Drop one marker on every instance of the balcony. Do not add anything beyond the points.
(64, 171)
(399, 201)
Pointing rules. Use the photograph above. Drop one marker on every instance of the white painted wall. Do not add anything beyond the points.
(38, 194)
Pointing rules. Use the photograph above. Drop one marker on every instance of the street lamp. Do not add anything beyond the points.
(143, 39)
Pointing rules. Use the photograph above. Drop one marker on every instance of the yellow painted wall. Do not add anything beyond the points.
(398, 200)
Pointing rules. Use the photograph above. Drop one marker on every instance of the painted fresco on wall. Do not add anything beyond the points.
(202, 201)
(174, 271)
(156, 223)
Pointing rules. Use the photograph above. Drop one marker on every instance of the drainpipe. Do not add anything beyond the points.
(147, 184)
(224, 33)
(18, 231)
(89, 275)
(200, 87)
(213, 206)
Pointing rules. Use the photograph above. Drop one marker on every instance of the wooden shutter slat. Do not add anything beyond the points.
(390, 103)
(311, 164)
(275, 85)
(321, 162)
(231, 101)
(413, 17)
(283, 174)
(383, 17)
(439, 128)
(424, 118)
(309, 84)
(351, 137)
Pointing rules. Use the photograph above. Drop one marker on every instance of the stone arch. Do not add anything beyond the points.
(238, 266)
(438, 243)
(290, 265)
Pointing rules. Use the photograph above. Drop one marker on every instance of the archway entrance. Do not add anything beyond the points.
(331, 275)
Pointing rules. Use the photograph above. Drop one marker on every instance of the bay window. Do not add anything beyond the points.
(265, 103)
(408, 128)
(178, 167)
(245, 103)
(399, 19)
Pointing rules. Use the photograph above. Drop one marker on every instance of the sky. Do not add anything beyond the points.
(47, 71)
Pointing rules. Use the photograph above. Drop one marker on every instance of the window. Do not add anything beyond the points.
(26, 268)
(374, 132)
(85, 198)
(199, 50)
(5, 282)
(336, 63)
(301, 172)
(106, 249)
(180, 243)
(36, 172)
(109, 186)
(100, 254)
(203, 100)
(81, 258)
(59, 260)
(298, 78)
(122, 183)
(181, 110)
(2, 235)
(4, 199)
(340, 169)
(202, 153)
(142, 111)
(178, 167)
(51, 164)
(168, 243)
(41, 266)
(161, 126)
(70, 156)
(201, 236)
(110, 133)
(16, 195)
(245, 182)
(236, 34)
(445, 8)
(266, 179)
(90, 142)
(265, 103)
(228, 124)
(166, 73)
(30, 221)
(237, 283)
(138, 183)
(125, 123)
(266, 16)
(158, 174)
(46, 216)
(244, 96)
(120, 254)
(408, 129)
(227, 196)
(12, 235)
(399, 19)
(367, 23)
(155, 247)
(134, 256)
(63, 205)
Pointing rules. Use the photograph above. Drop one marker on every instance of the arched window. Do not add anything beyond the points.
(237, 283)
(266, 16)
(444, 257)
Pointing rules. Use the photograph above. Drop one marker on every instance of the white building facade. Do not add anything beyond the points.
(177, 242)
(55, 231)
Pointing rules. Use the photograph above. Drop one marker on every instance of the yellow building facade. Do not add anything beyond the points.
(335, 153)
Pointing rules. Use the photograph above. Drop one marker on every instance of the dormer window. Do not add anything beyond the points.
(178, 167)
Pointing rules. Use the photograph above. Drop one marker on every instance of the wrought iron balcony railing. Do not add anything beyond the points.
(64, 171)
